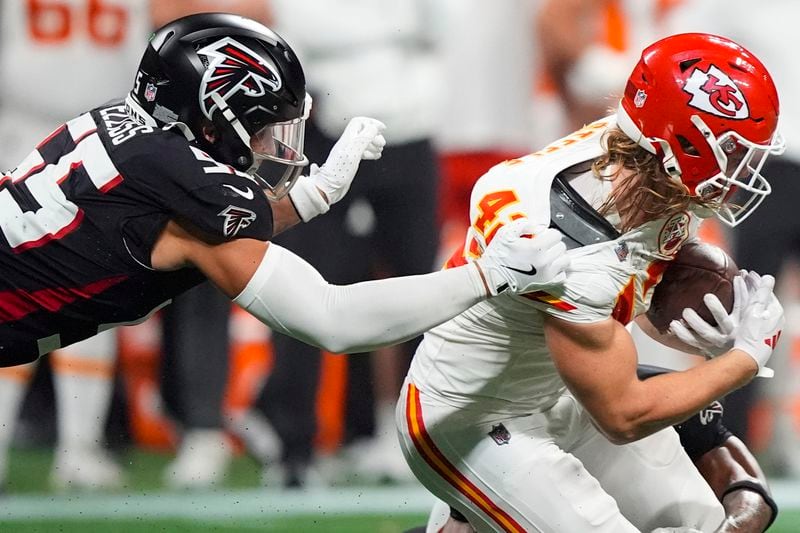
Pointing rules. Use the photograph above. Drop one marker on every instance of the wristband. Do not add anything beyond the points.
(760, 490)
(307, 200)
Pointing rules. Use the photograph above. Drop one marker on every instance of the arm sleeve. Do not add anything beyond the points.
(290, 296)
(704, 431)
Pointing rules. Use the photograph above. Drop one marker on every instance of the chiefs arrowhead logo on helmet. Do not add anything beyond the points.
(715, 92)
(234, 68)
(236, 218)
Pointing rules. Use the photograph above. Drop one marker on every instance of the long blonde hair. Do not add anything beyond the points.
(646, 192)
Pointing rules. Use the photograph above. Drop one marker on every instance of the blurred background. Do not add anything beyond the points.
(201, 420)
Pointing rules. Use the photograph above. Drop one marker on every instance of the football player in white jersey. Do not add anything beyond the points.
(483, 418)
(722, 459)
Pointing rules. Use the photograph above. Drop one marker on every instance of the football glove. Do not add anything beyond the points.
(523, 258)
(753, 326)
(762, 322)
(325, 185)
(716, 340)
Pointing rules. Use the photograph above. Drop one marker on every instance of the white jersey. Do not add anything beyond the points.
(494, 354)
(60, 58)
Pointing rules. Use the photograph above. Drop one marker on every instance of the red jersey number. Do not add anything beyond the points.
(55, 22)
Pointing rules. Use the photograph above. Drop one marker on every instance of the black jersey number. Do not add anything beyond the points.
(56, 215)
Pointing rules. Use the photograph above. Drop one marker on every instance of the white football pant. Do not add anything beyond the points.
(550, 472)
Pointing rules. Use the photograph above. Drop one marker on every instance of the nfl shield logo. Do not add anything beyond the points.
(639, 99)
(150, 92)
(500, 434)
(622, 251)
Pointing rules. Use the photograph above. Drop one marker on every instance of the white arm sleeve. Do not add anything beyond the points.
(290, 296)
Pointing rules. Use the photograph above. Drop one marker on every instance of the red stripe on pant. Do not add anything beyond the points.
(442, 466)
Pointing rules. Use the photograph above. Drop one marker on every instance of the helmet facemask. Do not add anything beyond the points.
(739, 187)
(273, 155)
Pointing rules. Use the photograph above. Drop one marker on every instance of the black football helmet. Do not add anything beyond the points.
(237, 74)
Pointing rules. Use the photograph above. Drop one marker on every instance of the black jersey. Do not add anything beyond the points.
(79, 218)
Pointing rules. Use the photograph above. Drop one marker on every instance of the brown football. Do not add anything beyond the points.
(698, 269)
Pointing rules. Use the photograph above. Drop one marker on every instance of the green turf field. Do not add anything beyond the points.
(241, 505)
(789, 522)
(305, 524)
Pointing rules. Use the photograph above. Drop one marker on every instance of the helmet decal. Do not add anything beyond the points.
(716, 93)
(234, 68)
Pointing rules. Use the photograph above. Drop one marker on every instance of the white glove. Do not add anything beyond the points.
(681, 529)
(716, 340)
(712, 341)
(523, 258)
(313, 195)
(762, 321)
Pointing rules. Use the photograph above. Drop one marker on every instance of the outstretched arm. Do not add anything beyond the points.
(290, 296)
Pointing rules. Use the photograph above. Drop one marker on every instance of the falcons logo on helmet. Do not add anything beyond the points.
(234, 68)
(236, 218)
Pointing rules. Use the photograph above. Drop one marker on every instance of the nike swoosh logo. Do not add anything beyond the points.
(246, 193)
(530, 272)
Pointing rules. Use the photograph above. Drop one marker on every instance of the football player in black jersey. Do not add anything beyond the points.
(128, 205)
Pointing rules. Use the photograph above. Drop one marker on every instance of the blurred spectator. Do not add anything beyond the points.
(196, 351)
(587, 48)
(376, 58)
(196, 337)
(488, 62)
(65, 56)
(769, 31)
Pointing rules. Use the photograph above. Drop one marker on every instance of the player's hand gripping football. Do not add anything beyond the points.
(754, 329)
(327, 184)
(523, 258)
(716, 340)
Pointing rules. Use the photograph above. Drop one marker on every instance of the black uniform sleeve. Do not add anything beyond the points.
(702, 432)
(192, 188)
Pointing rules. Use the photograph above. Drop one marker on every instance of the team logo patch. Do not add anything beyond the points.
(707, 415)
(640, 99)
(150, 91)
(236, 218)
(500, 434)
(716, 93)
(233, 68)
(673, 234)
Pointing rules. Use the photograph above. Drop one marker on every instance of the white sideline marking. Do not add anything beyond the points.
(254, 503)
(222, 505)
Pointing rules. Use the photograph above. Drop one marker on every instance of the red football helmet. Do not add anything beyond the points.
(709, 109)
